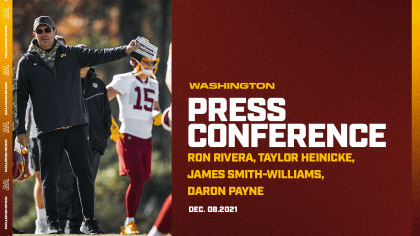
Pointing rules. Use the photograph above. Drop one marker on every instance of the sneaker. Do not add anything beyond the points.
(41, 226)
(74, 226)
(67, 228)
(75, 229)
(16, 231)
(155, 232)
(54, 228)
(91, 227)
(131, 228)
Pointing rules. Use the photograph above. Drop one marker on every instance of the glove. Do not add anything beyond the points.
(157, 118)
(115, 131)
(24, 151)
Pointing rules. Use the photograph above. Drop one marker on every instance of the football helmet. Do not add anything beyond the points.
(17, 165)
(167, 119)
(23, 167)
(145, 66)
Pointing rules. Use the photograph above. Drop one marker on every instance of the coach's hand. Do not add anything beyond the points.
(132, 46)
(23, 139)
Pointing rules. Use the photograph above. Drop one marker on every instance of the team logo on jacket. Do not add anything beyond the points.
(95, 85)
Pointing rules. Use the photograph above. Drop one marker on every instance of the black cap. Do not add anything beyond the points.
(43, 20)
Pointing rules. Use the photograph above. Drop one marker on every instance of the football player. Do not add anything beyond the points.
(162, 225)
(41, 220)
(137, 93)
(15, 125)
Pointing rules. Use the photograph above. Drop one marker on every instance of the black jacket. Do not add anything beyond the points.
(99, 110)
(56, 93)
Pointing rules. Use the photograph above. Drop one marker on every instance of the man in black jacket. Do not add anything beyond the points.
(99, 111)
(41, 219)
(50, 73)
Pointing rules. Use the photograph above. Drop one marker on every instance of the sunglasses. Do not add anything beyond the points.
(46, 30)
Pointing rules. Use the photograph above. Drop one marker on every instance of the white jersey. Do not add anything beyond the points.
(168, 79)
(32, 132)
(136, 103)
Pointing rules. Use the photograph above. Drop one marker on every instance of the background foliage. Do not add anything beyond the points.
(101, 24)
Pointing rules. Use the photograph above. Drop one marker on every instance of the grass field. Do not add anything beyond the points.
(80, 234)
(74, 234)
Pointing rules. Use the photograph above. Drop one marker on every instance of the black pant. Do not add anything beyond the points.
(13, 140)
(66, 187)
(51, 147)
(33, 143)
(69, 206)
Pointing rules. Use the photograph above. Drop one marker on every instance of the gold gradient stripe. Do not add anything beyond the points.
(416, 99)
(6, 109)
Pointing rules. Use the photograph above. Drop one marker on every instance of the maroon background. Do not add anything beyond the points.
(333, 62)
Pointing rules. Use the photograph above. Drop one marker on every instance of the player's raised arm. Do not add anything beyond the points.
(112, 92)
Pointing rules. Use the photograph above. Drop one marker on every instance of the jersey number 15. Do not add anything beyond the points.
(146, 99)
